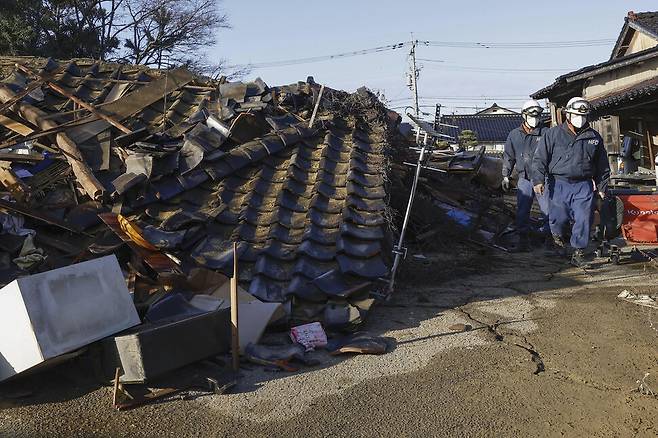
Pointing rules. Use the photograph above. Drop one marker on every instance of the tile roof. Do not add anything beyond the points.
(643, 90)
(307, 205)
(648, 21)
(612, 64)
(488, 127)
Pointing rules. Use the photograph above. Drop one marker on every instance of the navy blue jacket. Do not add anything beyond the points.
(519, 150)
(563, 155)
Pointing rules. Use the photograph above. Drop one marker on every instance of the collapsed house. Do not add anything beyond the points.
(103, 157)
(113, 174)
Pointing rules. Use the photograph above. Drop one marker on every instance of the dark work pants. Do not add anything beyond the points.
(524, 198)
(571, 202)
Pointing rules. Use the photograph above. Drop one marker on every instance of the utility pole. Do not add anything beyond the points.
(414, 76)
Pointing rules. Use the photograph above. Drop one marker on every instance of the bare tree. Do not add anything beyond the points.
(165, 33)
(157, 33)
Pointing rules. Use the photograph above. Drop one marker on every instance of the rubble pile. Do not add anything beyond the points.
(153, 187)
(166, 170)
(458, 200)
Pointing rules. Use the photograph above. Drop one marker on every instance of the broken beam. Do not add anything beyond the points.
(15, 126)
(29, 88)
(80, 102)
(29, 212)
(34, 115)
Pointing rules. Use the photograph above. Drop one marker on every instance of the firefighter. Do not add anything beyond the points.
(519, 150)
(572, 159)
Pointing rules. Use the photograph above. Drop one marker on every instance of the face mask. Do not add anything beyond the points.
(531, 121)
(577, 121)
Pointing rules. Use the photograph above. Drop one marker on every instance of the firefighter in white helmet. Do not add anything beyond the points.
(572, 158)
(518, 154)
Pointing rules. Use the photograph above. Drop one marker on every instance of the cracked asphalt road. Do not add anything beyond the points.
(551, 352)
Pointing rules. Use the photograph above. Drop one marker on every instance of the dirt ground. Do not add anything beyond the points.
(552, 352)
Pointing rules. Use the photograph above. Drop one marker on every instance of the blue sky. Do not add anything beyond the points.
(290, 29)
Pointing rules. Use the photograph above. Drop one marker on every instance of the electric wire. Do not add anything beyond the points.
(313, 59)
(445, 44)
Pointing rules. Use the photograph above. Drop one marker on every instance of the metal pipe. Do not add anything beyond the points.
(398, 250)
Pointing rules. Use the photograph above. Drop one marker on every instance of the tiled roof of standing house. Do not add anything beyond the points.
(488, 127)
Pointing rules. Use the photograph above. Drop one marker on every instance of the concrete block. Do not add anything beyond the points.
(48, 314)
(153, 349)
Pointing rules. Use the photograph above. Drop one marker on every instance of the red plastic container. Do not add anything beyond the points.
(640, 222)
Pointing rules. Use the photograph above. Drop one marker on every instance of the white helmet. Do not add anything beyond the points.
(578, 105)
(532, 107)
(531, 112)
(577, 110)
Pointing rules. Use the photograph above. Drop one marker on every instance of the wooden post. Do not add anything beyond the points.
(235, 334)
(315, 109)
(116, 387)
(650, 146)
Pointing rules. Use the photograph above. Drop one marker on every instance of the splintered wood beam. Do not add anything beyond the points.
(80, 102)
(235, 331)
(35, 116)
(90, 108)
(30, 88)
(63, 127)
(15, 126)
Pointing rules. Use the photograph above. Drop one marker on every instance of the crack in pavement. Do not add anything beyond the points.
(500, 337)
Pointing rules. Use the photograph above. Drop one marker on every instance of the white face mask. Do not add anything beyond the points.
(577, 121)
(531, 121)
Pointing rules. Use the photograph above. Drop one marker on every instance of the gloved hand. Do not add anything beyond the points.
(505, 184)
(539, 189)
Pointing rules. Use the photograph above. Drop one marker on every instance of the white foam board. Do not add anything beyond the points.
(45, 315)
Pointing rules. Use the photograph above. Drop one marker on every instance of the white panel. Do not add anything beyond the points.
(18, 346)
(65, 309)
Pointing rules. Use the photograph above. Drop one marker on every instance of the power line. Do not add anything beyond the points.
(453, 44)
(519, 45)
(324, 57)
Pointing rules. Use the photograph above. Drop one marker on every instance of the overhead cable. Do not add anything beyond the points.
(447, 44)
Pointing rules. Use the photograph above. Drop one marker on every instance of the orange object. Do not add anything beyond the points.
(640, 222)
(135, 233)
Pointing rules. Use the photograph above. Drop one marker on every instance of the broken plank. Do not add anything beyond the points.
(132, 103)
(53, 86)
(90, 108)
(13, 156)
(11, 182)
(156, 260)
(29, 212)
(34, 136)
(15, 126)
(30, 88)
(35, 115)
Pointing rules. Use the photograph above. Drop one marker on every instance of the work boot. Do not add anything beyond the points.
(578, 258)
(555, 247)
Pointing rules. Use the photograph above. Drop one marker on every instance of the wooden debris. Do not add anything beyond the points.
(132, 103)
(15, 126)
(235, 337)
(12, 183)
(73, 155)
(30, 212)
